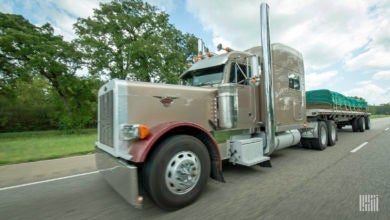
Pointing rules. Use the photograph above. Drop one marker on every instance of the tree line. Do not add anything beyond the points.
(49, 83)
(383, 109)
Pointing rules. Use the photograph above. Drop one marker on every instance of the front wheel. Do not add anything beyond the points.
(177, 171)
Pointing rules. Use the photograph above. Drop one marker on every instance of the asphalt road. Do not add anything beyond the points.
(302, 184)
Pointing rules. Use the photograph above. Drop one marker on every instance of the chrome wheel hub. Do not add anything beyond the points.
(182, 172)
(333, 133)
(323, 136)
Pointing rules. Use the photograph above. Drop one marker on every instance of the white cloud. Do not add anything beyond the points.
(382, 75)
(315, 80)
(325, 32)
(165, 5)
(82, 8)
(371, 92)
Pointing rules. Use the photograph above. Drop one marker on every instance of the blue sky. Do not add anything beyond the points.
(345, 44)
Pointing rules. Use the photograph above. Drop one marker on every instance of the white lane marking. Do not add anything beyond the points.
(47, 181)
(386, 129)
(359, 147)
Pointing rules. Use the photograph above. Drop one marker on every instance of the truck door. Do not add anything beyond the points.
(240, 74)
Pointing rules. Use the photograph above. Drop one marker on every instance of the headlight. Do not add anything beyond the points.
(130, 131)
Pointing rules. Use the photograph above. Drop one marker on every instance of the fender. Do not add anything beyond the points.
(141, 148)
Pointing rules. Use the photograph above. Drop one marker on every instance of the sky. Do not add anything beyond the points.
(345, 44)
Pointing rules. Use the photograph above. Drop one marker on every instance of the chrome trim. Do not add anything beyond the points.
(287, 139)
(182, 172)
(122, 177)
(270, 128)
(227, 106)
(120, 148)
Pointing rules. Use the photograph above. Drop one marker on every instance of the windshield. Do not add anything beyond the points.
(208, 76)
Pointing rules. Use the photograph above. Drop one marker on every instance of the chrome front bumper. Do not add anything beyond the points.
(122, 177)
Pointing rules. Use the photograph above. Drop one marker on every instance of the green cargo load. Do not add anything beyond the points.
(333, 100)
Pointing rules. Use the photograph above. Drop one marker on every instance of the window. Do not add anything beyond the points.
(207, 76)
(239, 73)
(294, 81)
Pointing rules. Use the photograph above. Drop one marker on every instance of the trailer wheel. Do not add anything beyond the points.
(354, 123)
(367, 123)
(332, 132)
(360, 123)
(177, 171)
(321, 142)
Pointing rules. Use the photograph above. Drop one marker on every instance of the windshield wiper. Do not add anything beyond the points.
(206, 83)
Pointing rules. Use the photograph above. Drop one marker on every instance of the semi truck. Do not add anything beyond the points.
(165, 141)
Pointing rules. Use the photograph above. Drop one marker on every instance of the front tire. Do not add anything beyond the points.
(177, 171)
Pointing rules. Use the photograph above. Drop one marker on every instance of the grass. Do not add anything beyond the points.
(17, 147)
(379, 116)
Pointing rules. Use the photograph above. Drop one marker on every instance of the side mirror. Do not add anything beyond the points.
(256, 72)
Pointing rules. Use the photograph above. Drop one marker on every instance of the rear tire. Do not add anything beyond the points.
(354, 123)
(360, 125)
(306, 143)
(332, 132)
(177, 171)
(321, 142)
(367, 123)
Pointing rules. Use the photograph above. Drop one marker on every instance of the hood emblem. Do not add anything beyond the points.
(166, 100)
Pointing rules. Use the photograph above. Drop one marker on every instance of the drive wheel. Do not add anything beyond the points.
(321, 142)
(367, 123)
(332, 132)
(177, 171)
(360, 123)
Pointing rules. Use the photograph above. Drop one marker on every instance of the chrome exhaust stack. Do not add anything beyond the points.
(270, 128)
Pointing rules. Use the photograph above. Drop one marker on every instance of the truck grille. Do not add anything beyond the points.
(106, 119)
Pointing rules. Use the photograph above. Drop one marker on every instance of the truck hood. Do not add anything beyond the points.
(152, 104)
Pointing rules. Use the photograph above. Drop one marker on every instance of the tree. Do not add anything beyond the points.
(131, 39)
(27, 51)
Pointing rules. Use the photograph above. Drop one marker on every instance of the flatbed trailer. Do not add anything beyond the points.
(325, 122)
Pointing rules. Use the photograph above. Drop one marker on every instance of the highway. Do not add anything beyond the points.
(302, 184)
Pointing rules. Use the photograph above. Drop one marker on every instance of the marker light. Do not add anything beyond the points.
(201, 57)
(140, 199)
(208, 54)
(143, 131)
